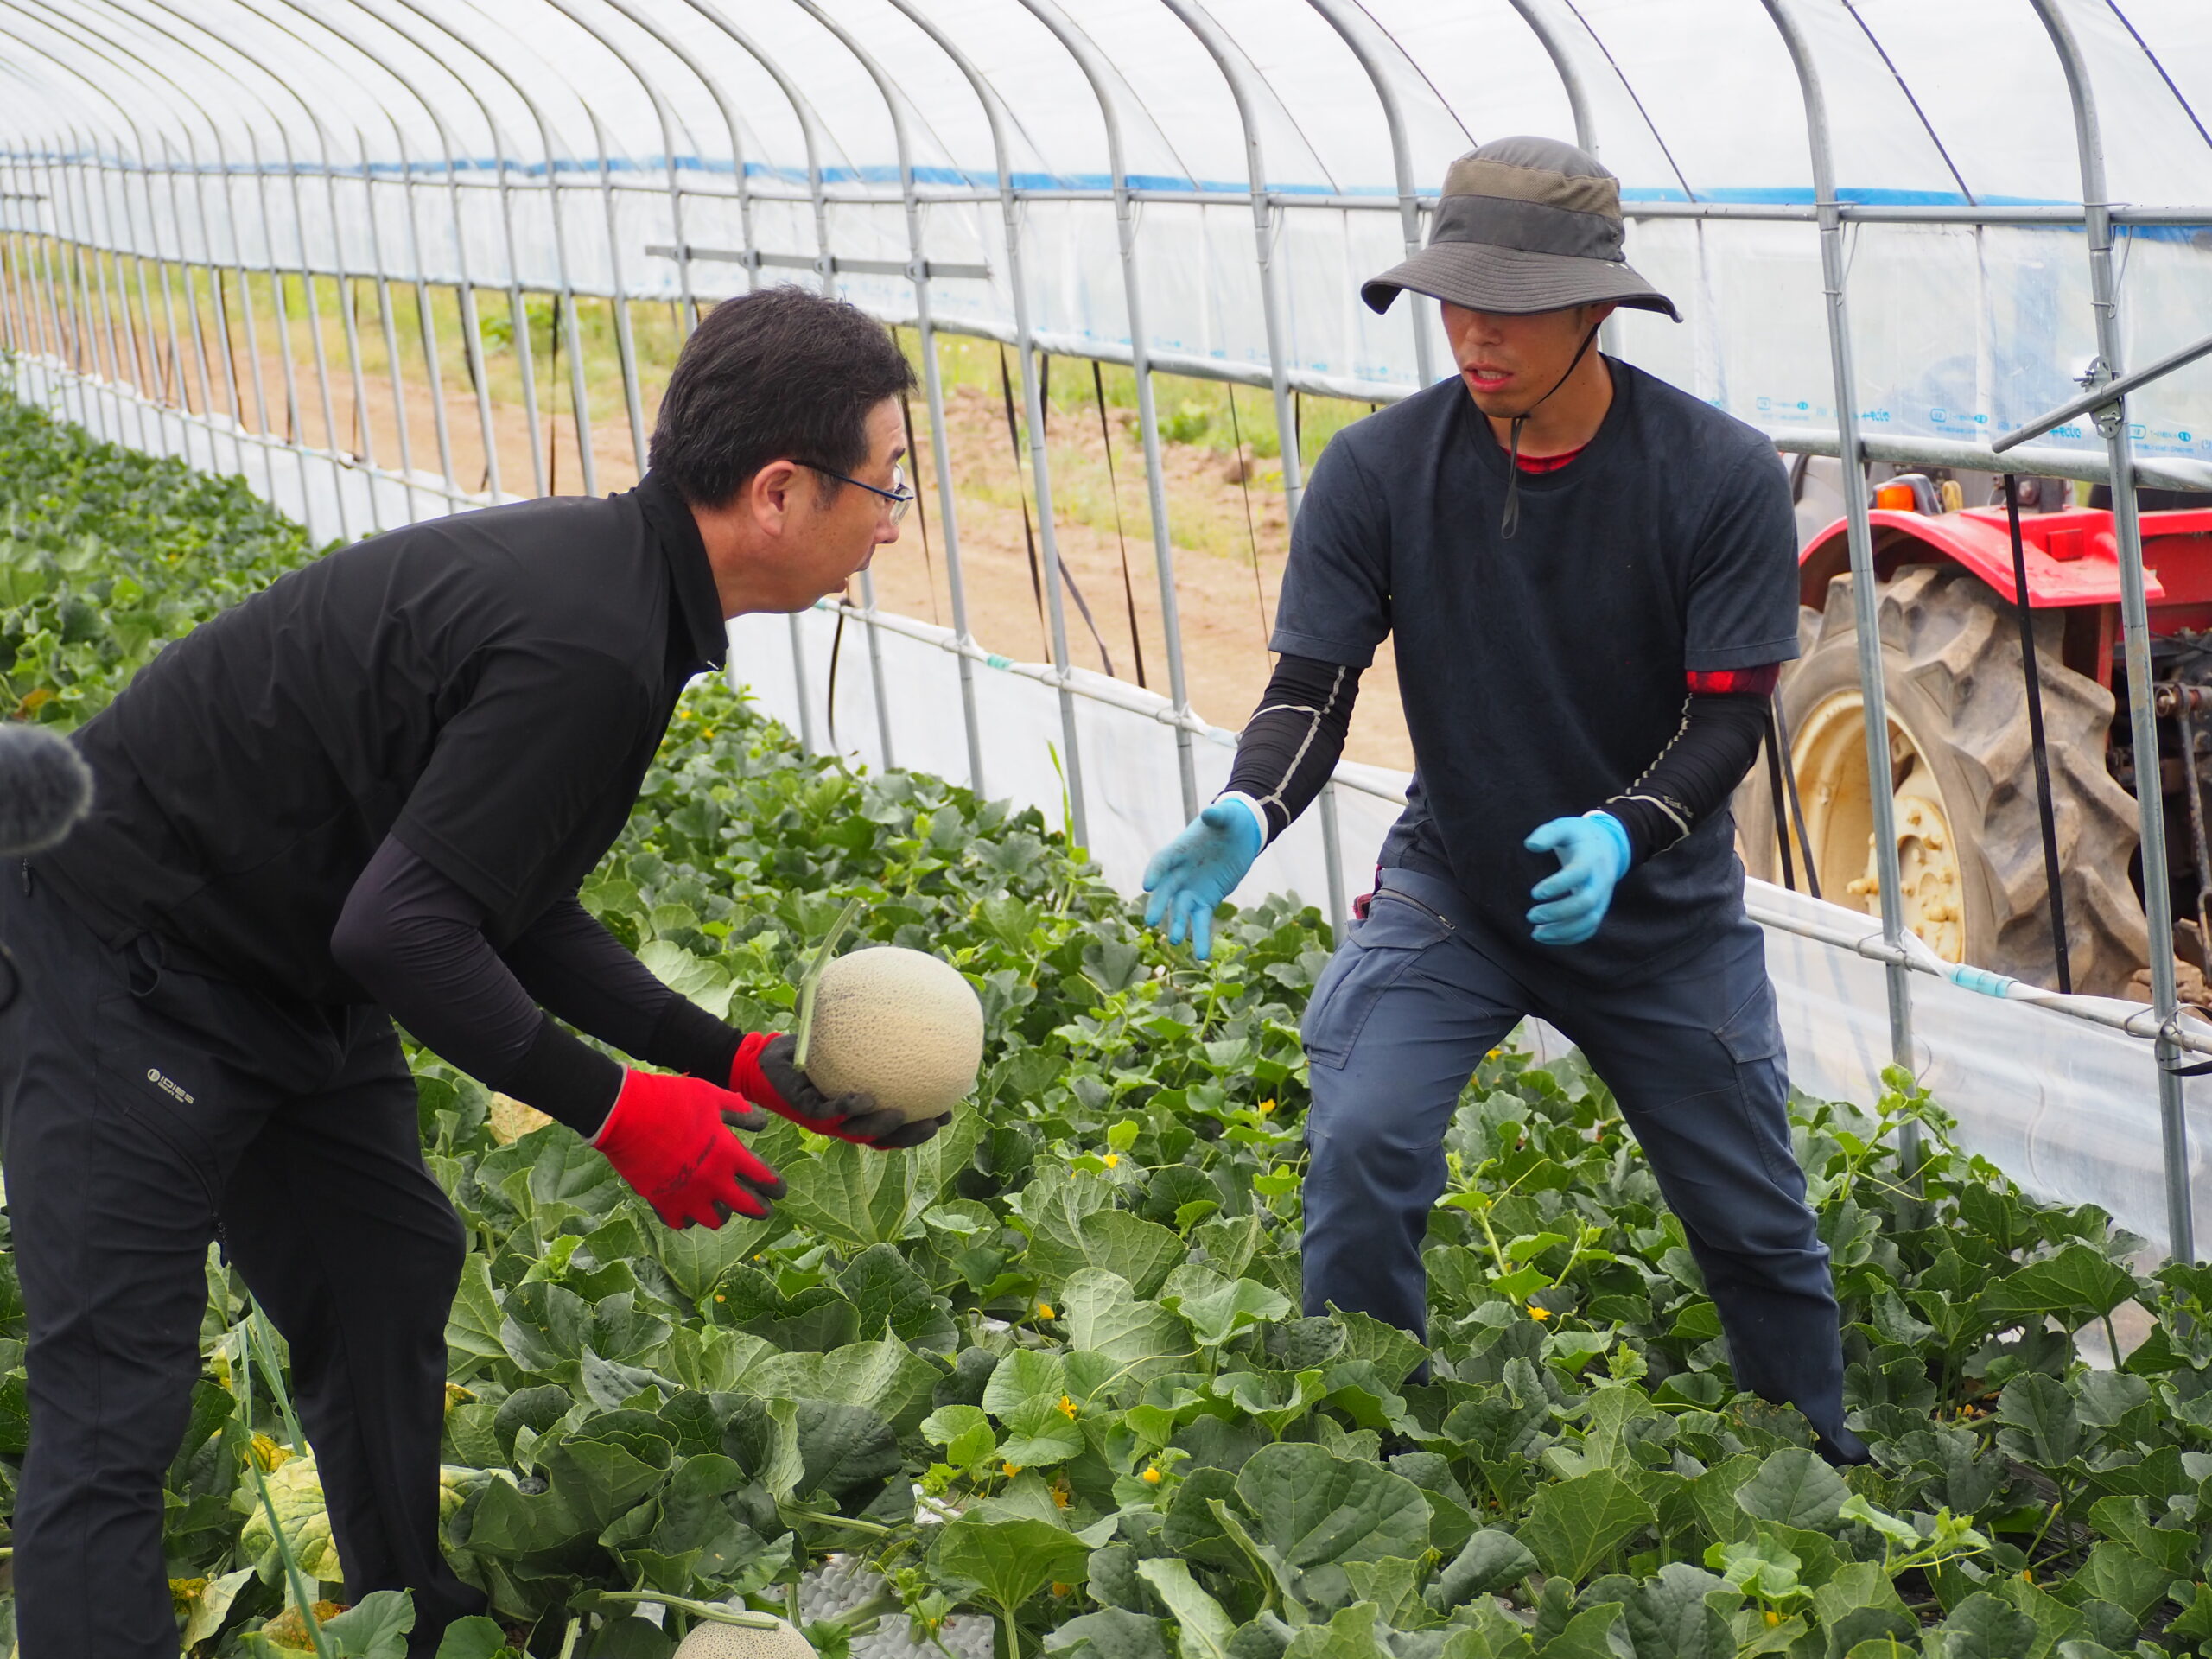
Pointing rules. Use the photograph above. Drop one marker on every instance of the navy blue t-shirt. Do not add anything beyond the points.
(1542, 675)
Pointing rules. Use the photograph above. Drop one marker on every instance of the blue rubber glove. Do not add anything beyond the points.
(1593, 856)
(1191, 874)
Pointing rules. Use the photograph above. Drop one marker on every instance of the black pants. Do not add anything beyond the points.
(148, 1112)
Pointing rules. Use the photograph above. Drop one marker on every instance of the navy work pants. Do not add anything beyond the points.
(1410, 1004)
(148, 1112)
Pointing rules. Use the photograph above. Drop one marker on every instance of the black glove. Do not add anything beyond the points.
(765, 1074)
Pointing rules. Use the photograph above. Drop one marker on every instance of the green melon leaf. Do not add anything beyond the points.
(1202, 1628)
(1009, 1560)
(1574, 1524)
(1796, 1488)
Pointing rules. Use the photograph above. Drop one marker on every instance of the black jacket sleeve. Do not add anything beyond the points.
(577, 970)
(414, 940)
(1293, 741)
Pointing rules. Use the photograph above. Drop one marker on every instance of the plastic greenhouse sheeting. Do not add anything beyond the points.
(1031, 168)
(532, 141)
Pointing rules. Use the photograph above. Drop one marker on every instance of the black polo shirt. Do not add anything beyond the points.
(1543, 673)
(488, 688)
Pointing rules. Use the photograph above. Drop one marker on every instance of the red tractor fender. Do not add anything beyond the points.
(2073, 557)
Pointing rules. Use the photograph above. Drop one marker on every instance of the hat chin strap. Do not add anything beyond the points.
(1511, 521)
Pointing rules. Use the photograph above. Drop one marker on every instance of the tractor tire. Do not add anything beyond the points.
(1962, 777)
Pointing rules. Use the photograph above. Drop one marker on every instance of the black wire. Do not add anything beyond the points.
(1509, 523)
(1128, 589)
(1251, 536)
(1790, 781)
(552, 414)
(1780, 805)
(2052, 879)
(921, 512)
(1066, 576)
(837, 645)
(1028, 534)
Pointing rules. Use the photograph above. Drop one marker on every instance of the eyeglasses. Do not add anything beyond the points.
(898, 495)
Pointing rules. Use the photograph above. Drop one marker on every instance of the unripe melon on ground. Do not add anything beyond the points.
(899, 1025)
(512, 1119)
(712, 1641)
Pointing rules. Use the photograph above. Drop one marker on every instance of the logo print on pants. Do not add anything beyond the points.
(168, 1086)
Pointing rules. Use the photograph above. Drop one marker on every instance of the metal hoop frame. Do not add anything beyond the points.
(87, 337)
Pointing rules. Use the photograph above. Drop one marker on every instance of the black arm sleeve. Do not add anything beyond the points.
(1694, 774)
(574, 966)
(1291, 743)
(414, 941)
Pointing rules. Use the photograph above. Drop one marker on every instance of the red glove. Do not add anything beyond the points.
(765, 1074)
(669, 1138)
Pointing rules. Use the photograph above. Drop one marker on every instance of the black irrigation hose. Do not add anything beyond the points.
(1128, 589)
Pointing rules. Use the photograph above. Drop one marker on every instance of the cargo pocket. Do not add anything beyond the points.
(158, 1072)
(1376, 956)
(1752, 1038)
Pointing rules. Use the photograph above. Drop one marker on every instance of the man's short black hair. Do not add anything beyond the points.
(780, 374)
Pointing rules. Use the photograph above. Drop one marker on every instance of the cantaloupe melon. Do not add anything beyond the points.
(899, 1025)
(708, 1640)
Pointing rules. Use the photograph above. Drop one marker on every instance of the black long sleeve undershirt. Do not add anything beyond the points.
(1292, 742)
(1695, 773)
(575, 969)
(414, 940)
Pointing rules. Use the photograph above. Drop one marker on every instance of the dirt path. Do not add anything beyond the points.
(1224, 645)
(1222, 526)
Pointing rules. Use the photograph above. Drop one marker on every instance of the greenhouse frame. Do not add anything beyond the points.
(1895, 232)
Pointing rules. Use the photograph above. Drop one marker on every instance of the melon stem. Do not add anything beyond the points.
(714, 1613)
(812, 980)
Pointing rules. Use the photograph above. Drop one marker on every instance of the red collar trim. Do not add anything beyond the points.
(1548, 463)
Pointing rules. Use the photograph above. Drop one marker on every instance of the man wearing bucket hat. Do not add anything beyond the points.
(1591, 578)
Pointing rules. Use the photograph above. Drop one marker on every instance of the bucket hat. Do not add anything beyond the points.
(1523, 224)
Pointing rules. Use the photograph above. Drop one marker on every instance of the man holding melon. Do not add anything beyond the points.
(369, 793)
(1592, 578)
